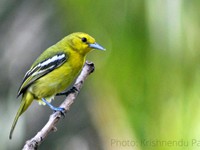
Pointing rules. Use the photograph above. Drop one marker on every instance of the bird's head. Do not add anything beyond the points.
(83, 43)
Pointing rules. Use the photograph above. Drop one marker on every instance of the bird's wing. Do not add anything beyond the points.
(41, 69)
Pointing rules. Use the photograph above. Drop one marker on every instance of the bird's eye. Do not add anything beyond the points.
(84, 39)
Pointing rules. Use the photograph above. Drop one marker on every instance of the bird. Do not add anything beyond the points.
(53, 71)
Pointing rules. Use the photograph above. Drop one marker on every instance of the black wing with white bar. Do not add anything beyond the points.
(41, 69)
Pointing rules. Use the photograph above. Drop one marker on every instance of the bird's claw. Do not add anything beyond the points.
(66, 93)
(61, 110)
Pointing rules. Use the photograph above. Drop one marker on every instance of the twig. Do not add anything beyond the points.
(33, 143)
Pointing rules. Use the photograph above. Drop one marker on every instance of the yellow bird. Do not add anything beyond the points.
(53, 71)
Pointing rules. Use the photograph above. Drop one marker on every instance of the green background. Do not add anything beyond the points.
(144, 93)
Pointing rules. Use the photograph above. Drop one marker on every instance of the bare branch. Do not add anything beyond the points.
(33, 143)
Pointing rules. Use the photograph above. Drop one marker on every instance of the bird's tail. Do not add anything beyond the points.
(27, 99)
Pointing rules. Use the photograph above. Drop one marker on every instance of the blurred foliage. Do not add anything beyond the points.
(144, 93)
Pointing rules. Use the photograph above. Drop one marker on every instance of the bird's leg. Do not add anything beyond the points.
(66, 93)
(61, 110)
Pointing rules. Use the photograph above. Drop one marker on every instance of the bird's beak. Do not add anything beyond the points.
(96, 46)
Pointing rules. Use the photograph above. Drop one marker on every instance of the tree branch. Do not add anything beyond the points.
(33, 143)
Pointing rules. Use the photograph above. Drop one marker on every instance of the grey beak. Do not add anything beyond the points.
(96, 46)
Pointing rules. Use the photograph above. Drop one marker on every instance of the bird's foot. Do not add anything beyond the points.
(66, 93)
(61, 110)
(55, 109)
